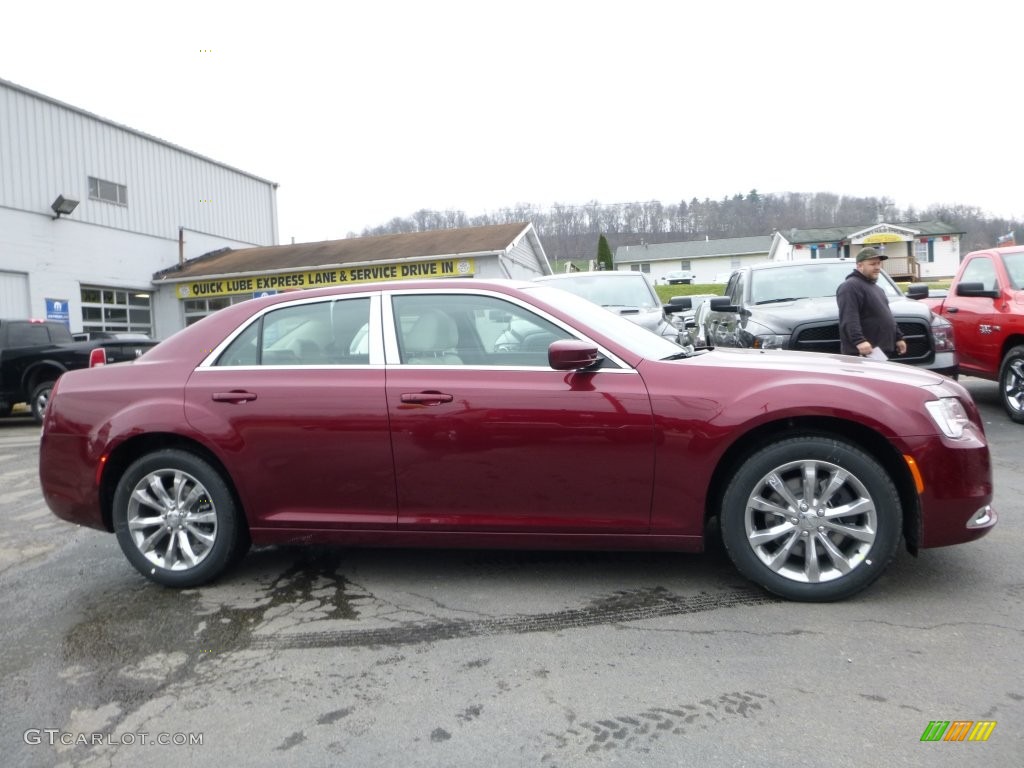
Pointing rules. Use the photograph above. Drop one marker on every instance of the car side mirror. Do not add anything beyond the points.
(975, 289)
(917, 291)
(572, 355)
(722, 304)
(679, 304)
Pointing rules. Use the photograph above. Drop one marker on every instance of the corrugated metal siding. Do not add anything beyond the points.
(47, 149)
(13, 294)
(526, 261)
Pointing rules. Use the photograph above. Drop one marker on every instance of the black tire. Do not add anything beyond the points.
(176, 519)
(1011, 383)
(38, 400)
(799, 543)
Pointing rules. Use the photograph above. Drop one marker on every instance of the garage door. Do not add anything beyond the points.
(13, 295)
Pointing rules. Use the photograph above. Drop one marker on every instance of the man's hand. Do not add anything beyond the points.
(864, 348)
(901, 347)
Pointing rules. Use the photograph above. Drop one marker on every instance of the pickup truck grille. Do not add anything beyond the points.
(824, 337)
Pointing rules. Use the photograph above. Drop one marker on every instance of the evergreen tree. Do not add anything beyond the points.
(604, 254)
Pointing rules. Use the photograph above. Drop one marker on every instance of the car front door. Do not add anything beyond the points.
(488, 438)
(977, 344)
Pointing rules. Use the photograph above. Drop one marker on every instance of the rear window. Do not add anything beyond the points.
(25, 334)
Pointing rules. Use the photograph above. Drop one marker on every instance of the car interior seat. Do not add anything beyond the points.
(432, 340)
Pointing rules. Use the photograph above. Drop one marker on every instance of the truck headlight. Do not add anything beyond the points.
(770, 341)
(942, 333)
(949, 415)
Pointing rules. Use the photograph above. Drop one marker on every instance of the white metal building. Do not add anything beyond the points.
(705, 258)
(90, 210)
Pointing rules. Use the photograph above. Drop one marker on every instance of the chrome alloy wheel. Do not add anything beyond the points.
(1013, 385)
(172, 519)
(810, 521)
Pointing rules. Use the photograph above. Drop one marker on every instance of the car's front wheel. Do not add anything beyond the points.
(176, 519)
(1011, 383)
(811, 518)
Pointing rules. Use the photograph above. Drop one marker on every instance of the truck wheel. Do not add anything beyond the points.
(1011, 383)
(811, 518)
(40, 396)
(176, 519)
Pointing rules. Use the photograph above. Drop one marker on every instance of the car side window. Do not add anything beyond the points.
(981, 270)
(439, 329)
(320, 333)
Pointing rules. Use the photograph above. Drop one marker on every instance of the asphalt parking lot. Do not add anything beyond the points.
(446, 658)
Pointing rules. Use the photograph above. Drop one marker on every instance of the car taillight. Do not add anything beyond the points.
(97, 357)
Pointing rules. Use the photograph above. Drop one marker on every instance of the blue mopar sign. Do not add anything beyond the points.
(57, 309)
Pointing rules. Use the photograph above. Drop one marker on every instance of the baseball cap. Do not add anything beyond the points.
(870, 253)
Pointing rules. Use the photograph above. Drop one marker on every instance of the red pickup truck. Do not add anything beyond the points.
(985, 304)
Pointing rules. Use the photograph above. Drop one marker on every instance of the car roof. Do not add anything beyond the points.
(601, 274)
(798, 263)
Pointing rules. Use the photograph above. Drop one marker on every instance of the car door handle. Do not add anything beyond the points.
(952, 310)
(233, 397)
(427, 398)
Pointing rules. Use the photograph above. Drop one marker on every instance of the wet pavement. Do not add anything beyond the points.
(326, 656)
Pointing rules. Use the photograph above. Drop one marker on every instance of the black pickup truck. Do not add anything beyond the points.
(33, 353)
(792, 305)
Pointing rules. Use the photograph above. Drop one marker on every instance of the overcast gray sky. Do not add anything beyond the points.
(370, 110)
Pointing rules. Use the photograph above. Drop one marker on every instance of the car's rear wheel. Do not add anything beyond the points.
(176, 519)
(811, 518)
(1011, 383)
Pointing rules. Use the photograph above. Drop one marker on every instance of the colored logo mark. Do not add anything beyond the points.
(958, 730)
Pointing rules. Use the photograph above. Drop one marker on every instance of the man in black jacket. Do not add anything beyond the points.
(865, 321)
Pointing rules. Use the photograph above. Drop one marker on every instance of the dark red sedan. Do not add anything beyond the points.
(473, 413)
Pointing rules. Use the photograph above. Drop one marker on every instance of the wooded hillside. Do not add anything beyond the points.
(571, 232)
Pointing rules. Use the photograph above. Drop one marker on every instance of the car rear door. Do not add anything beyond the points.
(295, 405)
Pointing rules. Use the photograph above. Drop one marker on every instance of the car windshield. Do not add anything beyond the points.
(614, 326)
(625, 290)
(801, 281)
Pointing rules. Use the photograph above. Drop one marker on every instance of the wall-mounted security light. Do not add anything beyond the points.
(63, 205)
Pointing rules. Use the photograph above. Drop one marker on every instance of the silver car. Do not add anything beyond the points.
(626, 293)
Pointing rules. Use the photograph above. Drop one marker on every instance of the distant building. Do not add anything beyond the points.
(916, 250)
(215, 280)
(705, 258)
(90, 209)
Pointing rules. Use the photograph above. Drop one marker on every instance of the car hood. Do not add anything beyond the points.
(817, 362)
(788, 314)
(652, 319)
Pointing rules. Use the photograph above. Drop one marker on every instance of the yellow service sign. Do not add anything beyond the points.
(883, 237)
(321, 278)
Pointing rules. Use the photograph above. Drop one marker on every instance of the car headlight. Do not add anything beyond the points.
(949, 415)
(942, 333)
(770, 341)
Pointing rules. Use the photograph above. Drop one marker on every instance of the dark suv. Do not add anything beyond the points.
(792, 305)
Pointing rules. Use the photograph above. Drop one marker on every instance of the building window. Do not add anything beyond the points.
(116, 309)
(197, 309)
(640, 268)
(924, 252)
(107, 191)
(685, 265)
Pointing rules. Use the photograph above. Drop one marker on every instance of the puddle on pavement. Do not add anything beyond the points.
(143, 637)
